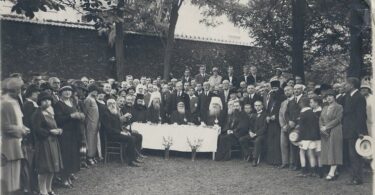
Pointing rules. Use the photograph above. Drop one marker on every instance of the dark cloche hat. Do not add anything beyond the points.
(44, 96)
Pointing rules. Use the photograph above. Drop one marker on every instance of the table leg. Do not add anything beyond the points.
(213, 155)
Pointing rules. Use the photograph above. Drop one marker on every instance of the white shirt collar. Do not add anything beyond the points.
(353, 92)
(305, 109)
(299, 97)
(317, 109)
(32, 101)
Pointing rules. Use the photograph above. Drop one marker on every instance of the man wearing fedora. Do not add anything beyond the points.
(354, 126)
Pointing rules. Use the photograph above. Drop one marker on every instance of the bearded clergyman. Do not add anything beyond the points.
(180, 116)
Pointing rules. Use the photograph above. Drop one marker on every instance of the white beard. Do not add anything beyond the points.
(156, 106)
(214, 112)
(181, 111)
(113, 110)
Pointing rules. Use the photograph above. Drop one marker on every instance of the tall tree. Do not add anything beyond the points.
(298, 31)
(176, 4)
(356, 26)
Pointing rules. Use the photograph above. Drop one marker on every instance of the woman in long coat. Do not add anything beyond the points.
(331, 134)
(69, 119)
(48, 155)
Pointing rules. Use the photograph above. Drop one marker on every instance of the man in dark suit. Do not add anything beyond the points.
(202, 76)
(257, 133)
(236, 127)
(291, 116)
(245, 75)
(340, 93)
(354, 126)
(198, 89)
(226, 91)
(233, 80)
(187, 77)
(254, 76)
(193, 106)
(252, 96)
(180, 95)
(204, 101)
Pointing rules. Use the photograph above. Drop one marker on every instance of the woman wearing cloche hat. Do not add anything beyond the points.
(48, 153)
(331, 134)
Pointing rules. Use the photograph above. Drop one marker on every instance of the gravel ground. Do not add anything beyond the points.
(179, 175)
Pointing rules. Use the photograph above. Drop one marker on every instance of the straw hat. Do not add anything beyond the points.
(365, 146)
(294, 137)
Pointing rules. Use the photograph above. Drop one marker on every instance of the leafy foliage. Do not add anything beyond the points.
(28, 7)
(269, 22)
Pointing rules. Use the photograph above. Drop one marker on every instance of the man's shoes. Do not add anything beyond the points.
(84, 165)
(354, 182)
(283, 166)
(138, 161)
(293, 168)
(73, 177)
(255, 163)
(132, 164)
(142, 156)
(90, 161)
(51, 193)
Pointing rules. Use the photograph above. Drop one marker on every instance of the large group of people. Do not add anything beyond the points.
(47, 123)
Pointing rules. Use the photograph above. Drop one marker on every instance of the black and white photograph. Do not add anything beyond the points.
(144, 97)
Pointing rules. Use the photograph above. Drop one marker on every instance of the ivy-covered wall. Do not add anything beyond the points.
(73, 53)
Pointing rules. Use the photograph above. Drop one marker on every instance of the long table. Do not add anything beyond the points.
(154, 134)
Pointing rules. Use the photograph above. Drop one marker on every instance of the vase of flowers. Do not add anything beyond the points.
(194, 145)
(167, 143)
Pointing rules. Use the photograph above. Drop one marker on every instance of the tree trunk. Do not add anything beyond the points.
(170, 38)
(119, 47)
(298, 30)
(356, 53)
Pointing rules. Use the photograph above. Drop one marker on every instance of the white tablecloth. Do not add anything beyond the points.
(153, 136)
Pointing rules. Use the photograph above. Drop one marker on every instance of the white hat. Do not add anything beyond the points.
(365, 146)
(154, 95)
(366, 85)
(294, 137)
(215, 100)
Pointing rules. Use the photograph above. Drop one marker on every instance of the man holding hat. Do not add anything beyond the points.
(12, 130)
(354, 126)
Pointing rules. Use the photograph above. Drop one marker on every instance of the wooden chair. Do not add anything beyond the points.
(113, 148)
(235, 148)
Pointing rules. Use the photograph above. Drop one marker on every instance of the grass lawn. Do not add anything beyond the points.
(179, 175)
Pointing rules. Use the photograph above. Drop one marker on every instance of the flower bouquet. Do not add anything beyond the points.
(167, 143)
(194, 145)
